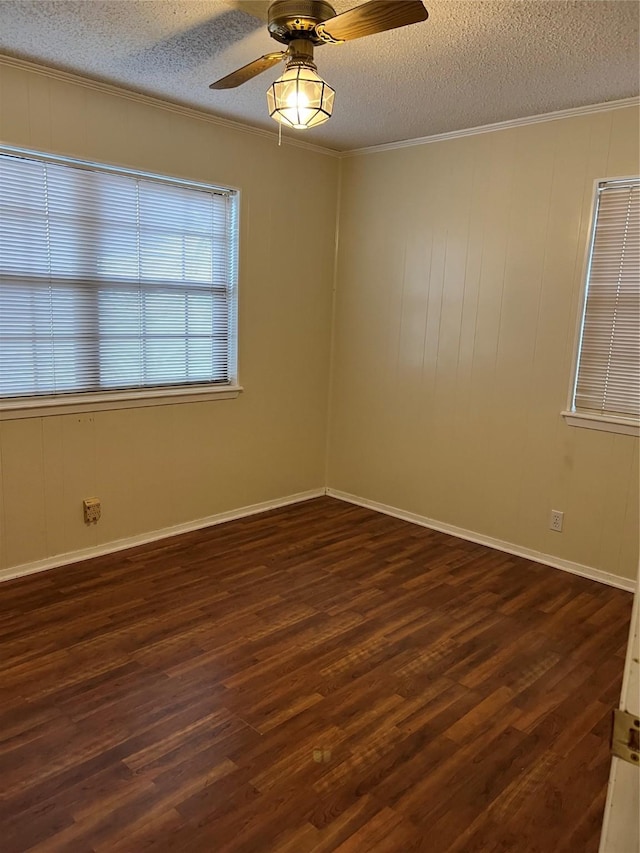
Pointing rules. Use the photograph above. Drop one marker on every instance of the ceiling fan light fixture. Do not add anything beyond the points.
(300, 98)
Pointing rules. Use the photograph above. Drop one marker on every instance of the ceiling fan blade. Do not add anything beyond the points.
(376, 16)
(257, 8)
(241, 75)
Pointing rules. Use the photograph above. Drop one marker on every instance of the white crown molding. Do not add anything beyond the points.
(204, 115)
(499, 545)
(150, 100)
(572, 112)
(145, 538)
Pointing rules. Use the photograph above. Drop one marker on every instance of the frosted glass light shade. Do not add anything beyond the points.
(300, 98)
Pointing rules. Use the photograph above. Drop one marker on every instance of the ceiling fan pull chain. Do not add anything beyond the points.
(279, 134)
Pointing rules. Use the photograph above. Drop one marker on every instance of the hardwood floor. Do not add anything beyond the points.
(316, 678)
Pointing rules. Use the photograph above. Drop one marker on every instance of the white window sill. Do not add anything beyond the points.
(37, 407)
(606, 423)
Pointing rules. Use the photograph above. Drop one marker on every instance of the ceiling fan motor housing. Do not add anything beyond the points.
(297, 19)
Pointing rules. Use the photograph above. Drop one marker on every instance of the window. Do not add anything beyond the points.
(112, 280)
(606, 390)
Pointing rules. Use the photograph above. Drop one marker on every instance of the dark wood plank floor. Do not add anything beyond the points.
(315, 678)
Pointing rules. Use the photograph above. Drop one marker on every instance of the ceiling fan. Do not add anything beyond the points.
(300, 98)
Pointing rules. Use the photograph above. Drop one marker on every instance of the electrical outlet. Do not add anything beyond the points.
(92, 509)
(556, 520)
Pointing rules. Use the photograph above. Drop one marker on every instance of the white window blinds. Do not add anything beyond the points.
(608, 374)
(112, 280)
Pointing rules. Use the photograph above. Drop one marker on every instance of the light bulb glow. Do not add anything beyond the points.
(300, 98)
(297, 100)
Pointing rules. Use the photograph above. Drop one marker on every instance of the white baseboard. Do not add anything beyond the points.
(155, 535)
(490, 542)
(152, 536)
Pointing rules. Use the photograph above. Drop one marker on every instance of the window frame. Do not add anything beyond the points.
(605, 422)
(92, 401)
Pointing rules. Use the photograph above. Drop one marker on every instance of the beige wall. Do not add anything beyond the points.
(161, 466)
(460, 268)
(458, 282)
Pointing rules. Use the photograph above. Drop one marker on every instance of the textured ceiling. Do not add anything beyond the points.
(472, 63)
